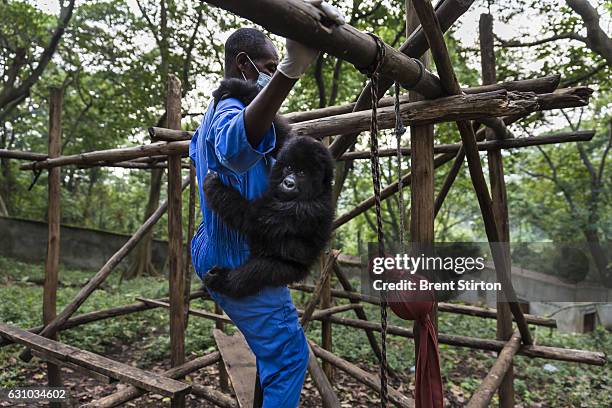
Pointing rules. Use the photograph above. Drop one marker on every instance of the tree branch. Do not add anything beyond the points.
(318, 74)
(188, 51)
(602, 163)
(9, 93)
(597, 39)
(148, 20)
(335, 82)
(580, 78)
(556, 37)
(556, 180)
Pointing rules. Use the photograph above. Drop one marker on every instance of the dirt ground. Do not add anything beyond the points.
(84, 389)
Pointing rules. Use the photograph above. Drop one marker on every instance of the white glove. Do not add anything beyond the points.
(298, 57)
(331, 12)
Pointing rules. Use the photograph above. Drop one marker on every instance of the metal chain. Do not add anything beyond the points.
(375, 170)
(399, 131)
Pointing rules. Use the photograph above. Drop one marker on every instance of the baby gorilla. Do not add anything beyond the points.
(286, 228)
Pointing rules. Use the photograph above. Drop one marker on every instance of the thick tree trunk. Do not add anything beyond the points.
(142, 264)
(7, 187)
(600, 257)
(94, 175)
(3, 210)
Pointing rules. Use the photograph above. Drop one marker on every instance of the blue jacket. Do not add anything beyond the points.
(220, 145)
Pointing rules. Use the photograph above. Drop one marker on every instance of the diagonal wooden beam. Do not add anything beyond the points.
(103, 314)
(301, 21)
(450, 84)
(370, 380)
(360, 313)
(386, 193)
(61, 352)
(129, 393)
(53, 326)
(483, 395)
(316, 295)
(415, 46)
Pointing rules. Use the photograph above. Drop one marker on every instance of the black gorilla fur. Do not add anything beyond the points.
(286, 228)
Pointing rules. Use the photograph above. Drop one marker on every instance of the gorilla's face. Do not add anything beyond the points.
(293, 179)
(303, 170)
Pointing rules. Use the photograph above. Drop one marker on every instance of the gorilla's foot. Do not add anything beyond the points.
(216, 279)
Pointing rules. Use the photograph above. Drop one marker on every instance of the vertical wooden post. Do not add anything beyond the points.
(175, 236)
(326, 325)
(53, 220)
(223, 375)
(326, 302)
(500, 203)
(422, 168)
(190, 231)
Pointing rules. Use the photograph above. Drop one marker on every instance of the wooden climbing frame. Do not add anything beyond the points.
(482, 114)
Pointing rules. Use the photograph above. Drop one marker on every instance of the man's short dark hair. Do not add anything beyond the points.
(249, 40)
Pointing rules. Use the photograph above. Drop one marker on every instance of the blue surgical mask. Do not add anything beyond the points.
(262, 78)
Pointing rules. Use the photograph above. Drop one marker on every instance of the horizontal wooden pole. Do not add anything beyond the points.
(538, 85)
(368, 379)
(552, 353)
(532, 351)
(483, 395)
(223, 318)
(414, 113)
(132, 165)
(20, 155)
(216, 397)
(112, 155)
(303, 22)
(445, 109)
(103, 314)
(442, 306)
(562, 137)
(323, 313)
(473, 106)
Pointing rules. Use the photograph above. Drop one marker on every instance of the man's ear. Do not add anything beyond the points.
(243, 65)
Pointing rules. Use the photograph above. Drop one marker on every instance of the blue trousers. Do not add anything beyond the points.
(269, 322)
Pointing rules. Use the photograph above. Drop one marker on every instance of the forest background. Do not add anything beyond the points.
(113, 57)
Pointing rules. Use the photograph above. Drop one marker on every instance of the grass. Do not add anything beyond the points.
(538, 382)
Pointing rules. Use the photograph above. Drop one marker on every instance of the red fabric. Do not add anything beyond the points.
(416, 305)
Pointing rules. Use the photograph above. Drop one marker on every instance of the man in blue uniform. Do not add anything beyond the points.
(236, 139)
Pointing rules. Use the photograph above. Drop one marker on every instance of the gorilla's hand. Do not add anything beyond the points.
(216, 278)
(233, 209)
(212, 183)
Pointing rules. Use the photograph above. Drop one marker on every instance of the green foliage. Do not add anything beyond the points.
(144, 335)
(114, 56)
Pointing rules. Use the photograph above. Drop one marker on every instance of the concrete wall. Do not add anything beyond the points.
(81, 248)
